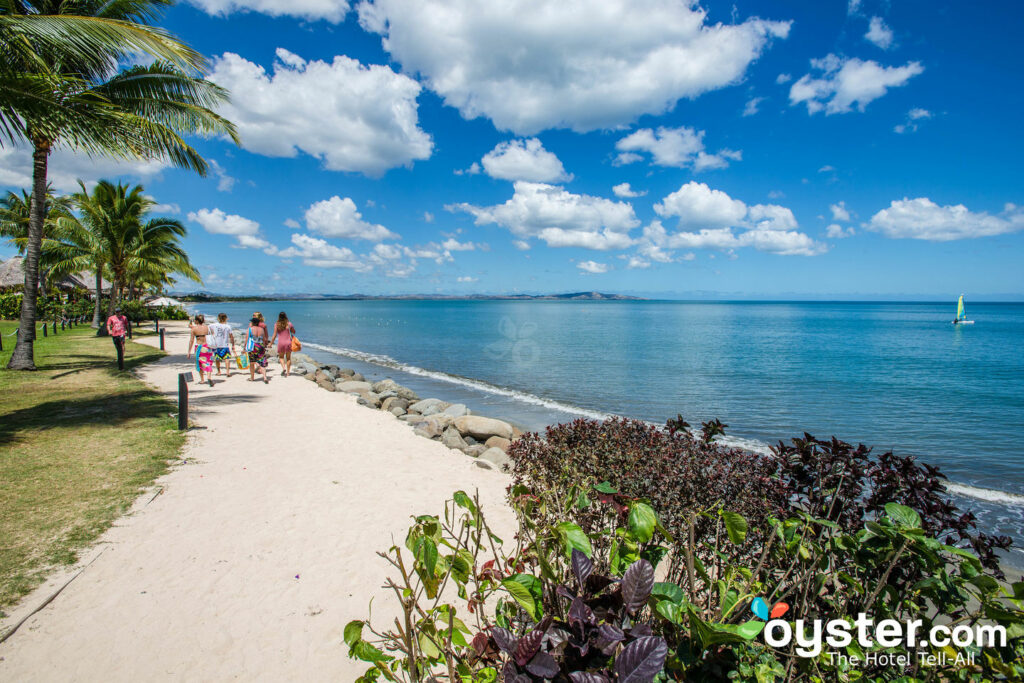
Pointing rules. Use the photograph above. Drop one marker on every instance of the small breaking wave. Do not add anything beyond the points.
(990, 495)
(479, 385)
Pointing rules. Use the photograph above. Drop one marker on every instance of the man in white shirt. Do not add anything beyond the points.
(219, 340)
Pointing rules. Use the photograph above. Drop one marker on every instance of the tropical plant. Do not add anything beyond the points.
(62, 95)
(112, 235)
(474, 613)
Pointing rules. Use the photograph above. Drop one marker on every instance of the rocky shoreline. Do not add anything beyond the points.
(485, 439)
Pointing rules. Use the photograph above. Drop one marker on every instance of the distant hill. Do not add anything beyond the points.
(572, 296)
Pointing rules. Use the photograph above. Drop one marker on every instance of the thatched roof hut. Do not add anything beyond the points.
(12, 274)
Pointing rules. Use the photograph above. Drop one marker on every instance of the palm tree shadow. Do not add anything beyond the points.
(70, 413)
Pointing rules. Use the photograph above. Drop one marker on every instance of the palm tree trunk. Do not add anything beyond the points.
(22, 358)
(99, 295)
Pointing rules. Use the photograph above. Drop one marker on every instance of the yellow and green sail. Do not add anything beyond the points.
(960, 313)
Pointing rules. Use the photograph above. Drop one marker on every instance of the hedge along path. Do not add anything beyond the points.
(262, 546)
(78, 442)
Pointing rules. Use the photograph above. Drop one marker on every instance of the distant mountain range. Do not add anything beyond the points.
(572, 296)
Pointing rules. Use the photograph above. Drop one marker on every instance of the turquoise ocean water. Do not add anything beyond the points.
(893, 375)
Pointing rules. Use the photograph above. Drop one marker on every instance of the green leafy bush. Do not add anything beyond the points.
(545, 610)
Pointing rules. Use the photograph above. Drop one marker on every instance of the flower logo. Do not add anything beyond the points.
(515, 343)
(760, 609)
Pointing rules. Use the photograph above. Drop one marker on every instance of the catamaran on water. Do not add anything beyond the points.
(961, 313)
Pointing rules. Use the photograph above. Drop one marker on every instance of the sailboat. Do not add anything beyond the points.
(961, 313)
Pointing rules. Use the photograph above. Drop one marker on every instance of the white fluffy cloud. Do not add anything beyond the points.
(558, 217)
(65, 168)
(677, 147)
(838, 232)
(697, 205)
(626, 192)
(319, 253)
(879, 33)
(352, 117)
(245, 231)
(524, 160)
(465, 278)
(923, 219)
(844, 83)
(592, 267)
(584, 65)
(331, 10)
(337, 217)
(839, 212)
(717, 221)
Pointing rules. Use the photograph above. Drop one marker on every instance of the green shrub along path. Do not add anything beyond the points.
(78, 442)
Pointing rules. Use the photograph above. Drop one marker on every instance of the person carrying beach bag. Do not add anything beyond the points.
(283, 335)
(256, 349)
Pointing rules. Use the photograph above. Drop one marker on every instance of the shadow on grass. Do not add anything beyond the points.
(69, 413)
(70, 367)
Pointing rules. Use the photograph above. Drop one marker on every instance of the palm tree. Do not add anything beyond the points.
(113, 235)
(80, 101)
(15, 212)
(14, 220)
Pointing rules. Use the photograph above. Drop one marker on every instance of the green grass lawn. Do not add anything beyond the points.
(78, 441)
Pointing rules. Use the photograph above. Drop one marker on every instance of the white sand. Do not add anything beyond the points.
(256, 555)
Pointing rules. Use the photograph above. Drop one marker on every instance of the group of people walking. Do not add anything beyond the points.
(214, 343)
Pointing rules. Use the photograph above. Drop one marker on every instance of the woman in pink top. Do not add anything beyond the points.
(283, 331)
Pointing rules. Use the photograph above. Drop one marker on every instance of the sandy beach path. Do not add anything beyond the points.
(259, 548)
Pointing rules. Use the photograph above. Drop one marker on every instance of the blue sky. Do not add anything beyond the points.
(651, 147)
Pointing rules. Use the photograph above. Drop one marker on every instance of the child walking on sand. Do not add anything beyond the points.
(283, 331)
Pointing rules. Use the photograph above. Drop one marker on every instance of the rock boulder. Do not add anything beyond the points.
(452, 439)
(428, 406)
(483, 428)
(498, 442)
(353, 386)
(456, 410)
(496, 457)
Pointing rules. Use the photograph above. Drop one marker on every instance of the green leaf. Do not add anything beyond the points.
(735, 526)
(670, 610)
(464, 501)
(353, 633)
(573, 538)
(368, 653)
(427, 645)
(426, 554)
(582, 500)
(903, 516)
(605, 487)
(641, 521)
(527, 591)
(668, 591)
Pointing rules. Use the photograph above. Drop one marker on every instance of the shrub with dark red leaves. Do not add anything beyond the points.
(845, 484)
(678, 472)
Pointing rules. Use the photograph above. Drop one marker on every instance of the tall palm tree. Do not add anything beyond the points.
(112, 235)
(140, 112)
